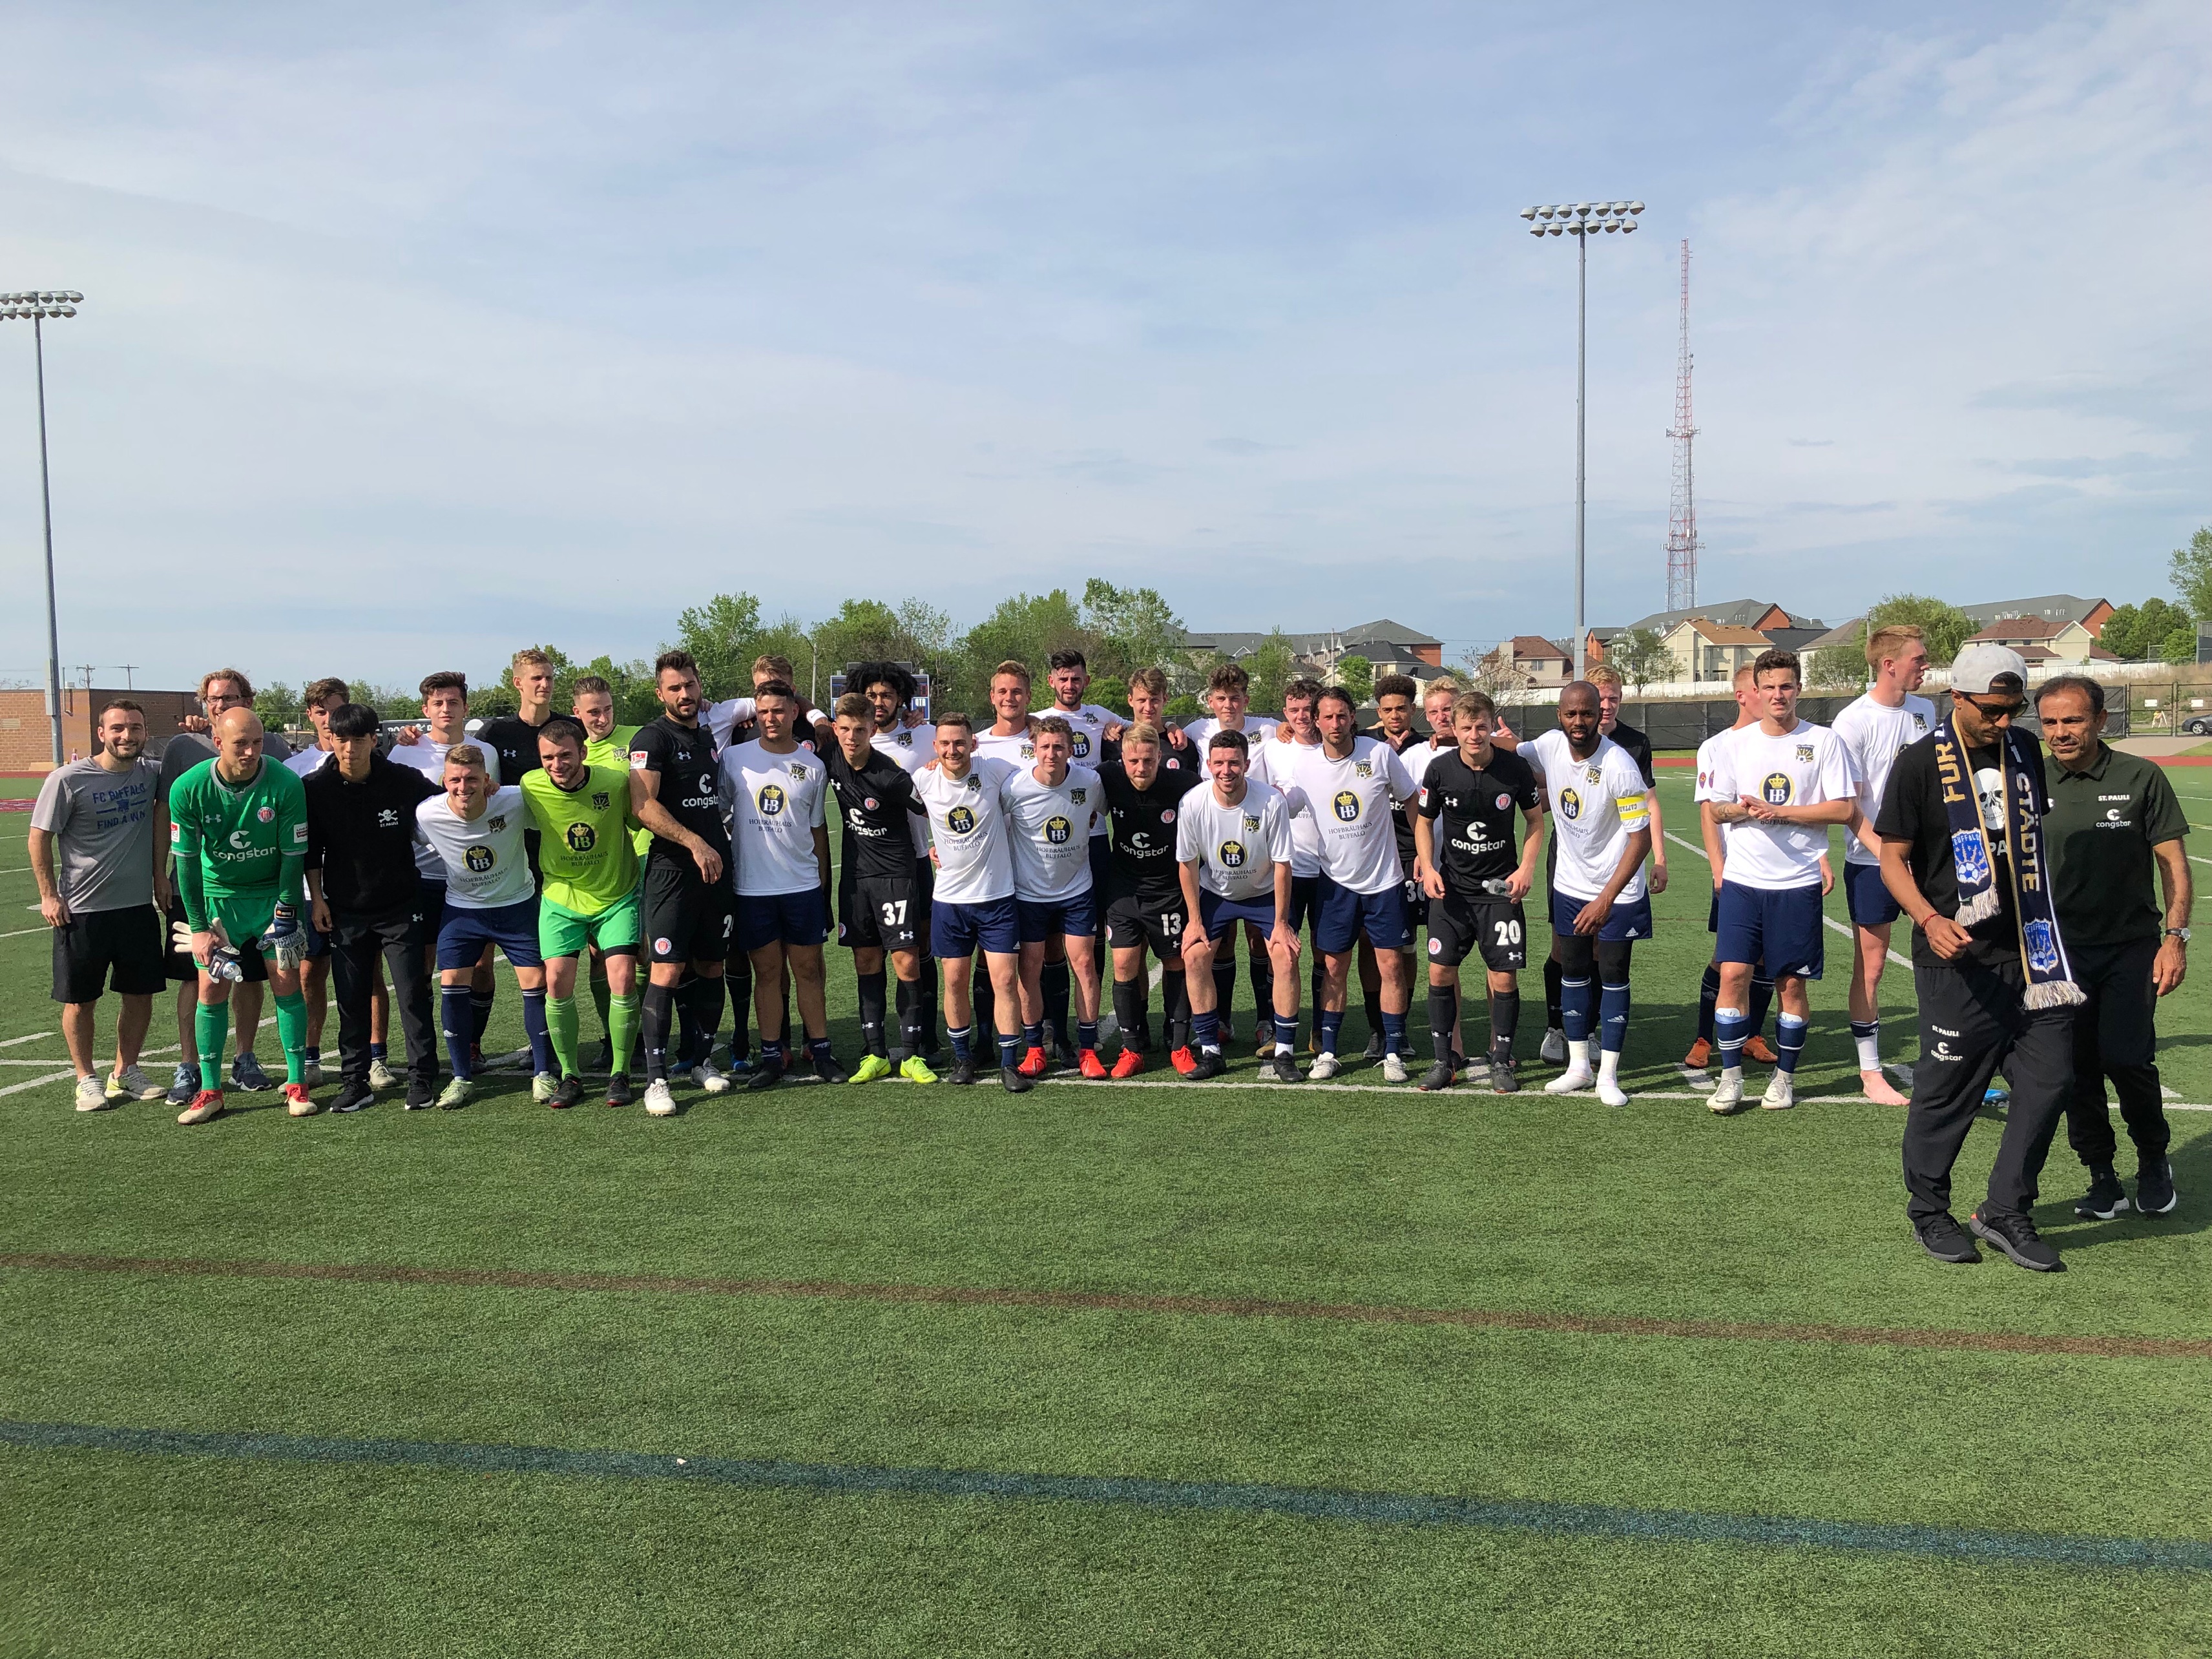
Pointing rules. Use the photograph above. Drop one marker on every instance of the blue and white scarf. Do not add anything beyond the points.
(2042, 951)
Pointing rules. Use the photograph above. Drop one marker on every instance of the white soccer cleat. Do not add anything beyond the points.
(1324, 1067)
(92, 1095)
(544, 1086)
(1573, 1080)
(1554, 1051)
(1727, 1097)
(659, 1099)
(1781, 1093)
(1394, 1067)
(1611, 1093)
(132, 1084)
(706, 1077)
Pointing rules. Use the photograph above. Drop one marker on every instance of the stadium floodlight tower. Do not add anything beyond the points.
(1582, 220)
(37, 307)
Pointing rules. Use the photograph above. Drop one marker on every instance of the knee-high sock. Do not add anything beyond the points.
(1866, 1037)
(1731, 1028)
(737, 982)
(622, 1028)
(1224, 989)
(913, 1038)
(561, 1028)
(1175, 1001)
(1504, 1020)
(1788, 1043)
(457, 1020)
(534, 1028)
(679, 1005)
(1129, 1012)
(982, 997)
(210, 1026)
(874, 994)
(1762, 998)
(1320, 982)
(1709, 998)
(479, 1015)
(602, 1000)
(1612, 1016)
(1577, 1000)
(1260, 970)
(925, 1004)
(1443, 1020)
(1054, 987)
(659, 1010)
(292, 1035)
(1393, 1033)
(1554, 1002)
(706, 1001)
(1330, 1028)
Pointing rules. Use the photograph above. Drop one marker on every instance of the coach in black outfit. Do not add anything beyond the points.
(1961, 834)
(362, 881)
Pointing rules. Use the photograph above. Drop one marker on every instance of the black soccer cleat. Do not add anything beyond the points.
(1504, 1079)
(1942, 1237)
(1282, 1068)
(1209, 1064)
(766, 1075)
(827, 1068)
(353, 1094)
(2106, 1197)
(2154, 1194)
(1441, 1075)
(420, 1094)
(1012, 1080)
(963, 1072)
(570, 1093)
(2015, 1235)
(1372, 1053)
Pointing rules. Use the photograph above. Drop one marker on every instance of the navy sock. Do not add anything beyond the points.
(1393, 1033)
(1788, 1043)
(379, 1051)
(454, 1020)
(1762, 999)
(1010, 1055)
(533, 1027)
(1033, 1036)
(1286, 1032)
(1731, 1028)
(960, 1040)
(1576, 996)
(479, 1014)
(771, 1051)
(1612, 1017)
(1205, 1029)
(1332, 1025)
(818, 1048)
(1086, 1035)
(1709, 998)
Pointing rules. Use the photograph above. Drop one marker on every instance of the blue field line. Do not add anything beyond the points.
(1304, 1503)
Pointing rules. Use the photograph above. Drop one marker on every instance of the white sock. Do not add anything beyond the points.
(1869, 1047)
(1282, 1048)
(1608, 1066)
(1579, 1055)
(1731, 1074)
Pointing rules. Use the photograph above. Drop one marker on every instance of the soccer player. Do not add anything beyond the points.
(1148, 706)
(444, 713)
(1274, 760)
(1393, 728)
(102, 821)
(514, 738)
(1474, 882)
(1714, 837)
(1007, 740)
(780, 841)
(1349, 785)
(1599, 904)
(882, 910)
(365, 895)
(890, 691)
(238, 827)
(1778, 786)
(1233, 860)
(972, 909)
(592, 701)
(686, 908)
(1229, 695)
(320, 698)
(1874, 731)
(491, 903)
(586, 820)
(1148, 906)
(1050, 808)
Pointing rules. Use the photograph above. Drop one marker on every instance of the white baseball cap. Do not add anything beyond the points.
(1979, 667)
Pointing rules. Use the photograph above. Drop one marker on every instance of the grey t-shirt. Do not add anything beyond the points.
(188, 749)
(102, 823)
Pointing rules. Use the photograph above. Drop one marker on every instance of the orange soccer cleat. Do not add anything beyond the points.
(1034, 1064)
(208, 1103)
(1184, 1061)
(1757, 1049)
(1091, 1066)
(1699, 1057)
(1128, 1064)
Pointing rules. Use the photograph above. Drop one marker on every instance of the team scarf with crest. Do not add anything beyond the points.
(2042, 951)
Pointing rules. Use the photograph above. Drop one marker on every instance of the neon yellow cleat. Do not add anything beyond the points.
(916, 1069)
(870, 1069)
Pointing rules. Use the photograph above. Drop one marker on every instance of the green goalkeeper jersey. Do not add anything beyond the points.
(613, 749)
(585, 852)
(235, 841)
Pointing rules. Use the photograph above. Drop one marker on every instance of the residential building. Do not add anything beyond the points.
(1762, 615)
(1540, 662)
(1392, 646)
(1707, 650)
(2044, 639)
(2049, 607)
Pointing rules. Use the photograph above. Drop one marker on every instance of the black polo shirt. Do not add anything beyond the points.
(2100, 830)
(361, 836)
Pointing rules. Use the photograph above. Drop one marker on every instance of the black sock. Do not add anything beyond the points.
(1709, 999)
(983, 996)
(924, 1003)
(1054, 987)
(872, 990)
(1129, 1010)
(1443, 1020)
(706, 1008)
(680, 1004)
(1225, 986)
(912, 1037)
(738, 985)
(1260, 970)
(1504, 1020)
(1174, 999)
(1320, 983)
(658, 1008)
(1553, 1020)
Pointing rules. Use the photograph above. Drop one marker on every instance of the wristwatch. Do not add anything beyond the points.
(2181, 934)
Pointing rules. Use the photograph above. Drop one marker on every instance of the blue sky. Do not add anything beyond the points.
(413, 337)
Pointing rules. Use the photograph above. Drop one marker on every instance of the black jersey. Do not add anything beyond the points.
(1638, 745)
(876, 802)
(1143, 824)
(682, 756)
(1472, 813)
(514, 740)
(1186, 762)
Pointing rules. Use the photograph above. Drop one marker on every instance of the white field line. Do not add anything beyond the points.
(20, 931)
(35, 1036)
(1826, 920)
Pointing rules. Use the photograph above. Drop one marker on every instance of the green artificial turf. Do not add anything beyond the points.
(1531, 1206)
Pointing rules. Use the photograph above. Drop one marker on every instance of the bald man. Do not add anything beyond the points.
(238, 826)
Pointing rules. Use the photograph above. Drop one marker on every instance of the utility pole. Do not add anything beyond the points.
(1682, 507)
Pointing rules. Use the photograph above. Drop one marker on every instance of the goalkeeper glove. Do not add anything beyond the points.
(285, 941)
(222, 963)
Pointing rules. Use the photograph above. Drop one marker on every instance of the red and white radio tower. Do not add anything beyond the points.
(1682, 511)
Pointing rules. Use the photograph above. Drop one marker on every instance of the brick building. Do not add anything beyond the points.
(26, 740)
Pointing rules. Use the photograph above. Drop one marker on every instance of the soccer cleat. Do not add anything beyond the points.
(379, 1075)
(1210, 1064)
(420, 1095)
(1610, 1093)
(206, 1104)
(914, 1069)
(602, 1058)
(1183, 1060)
(1728, 1099)
(1324, 1067)
(310, 1073)
(1947, 1241)
(827, 1068)
(1263, 1040)
(1373, 1051)
(739, 1070)
(872, 1068)
(2105, 1198)
(2015, 1235)
(1996, 1097)
(131, 1084)
(1394, 1067)
(706, 1077)
(963, 1073)
(1756, 1049)
(1573, 1080)
(619, 1091)
(1063, 1057)
(1503, 1079)
(2154, 1194)
(352, 1095)
(766, 1075)
(570, 1093)
(91, 1096)
(456, 1094)
(1128, 1063)
(1012, 1080)
(1091, 1066)
(1781, 1093)
(1441, 1075)
(1281, 1069)
(543, 1086)
(246, 1073)
(1554, 1051)
(184, 1083)
(660, 1099)
(298, 1103)
(1699, 1057)
(1034, 1063)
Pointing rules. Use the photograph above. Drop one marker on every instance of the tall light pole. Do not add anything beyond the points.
(1582, 220)
(38, 308)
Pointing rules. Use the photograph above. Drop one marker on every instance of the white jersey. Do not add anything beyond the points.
(1873, 735)
(913, 748)
(1236, 848)
(967, 823)
(1421, 756)
(1708, 761)
(1595, 805)
(483, 864)
(305, 761)
(1015, 750)
(1351, 800)
(721, 718)
(1051, 826)
(1257, 729)
(777, 804)
(1801, 768)
(427, 757)
(1087, 736)
(1275, 763)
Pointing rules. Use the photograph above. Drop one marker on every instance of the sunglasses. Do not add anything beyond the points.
(1994, 711)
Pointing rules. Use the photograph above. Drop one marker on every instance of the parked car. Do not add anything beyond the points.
(2197, 726)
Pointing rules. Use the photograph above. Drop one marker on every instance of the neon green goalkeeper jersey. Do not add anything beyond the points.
(235, 840)
(585, 852)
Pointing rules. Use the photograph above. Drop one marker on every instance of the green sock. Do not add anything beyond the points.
(292, 1035)
(600, 996)
(561, 1026)
(622, 1028)
(210, 1030)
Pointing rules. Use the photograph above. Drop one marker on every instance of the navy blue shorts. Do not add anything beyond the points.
(1074, 917)
(961, 930)
(1868, 896)
(765, 919)
(318, 942)
(1217, 915)
(1780, 928)
(463, 934)
(1305, 892)
(1629, 919)
(1344, 915)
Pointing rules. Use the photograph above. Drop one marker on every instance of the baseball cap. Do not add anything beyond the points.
(1979, 667)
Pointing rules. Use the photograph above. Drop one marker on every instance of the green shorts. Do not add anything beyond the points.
(245, 919)
(562, 933)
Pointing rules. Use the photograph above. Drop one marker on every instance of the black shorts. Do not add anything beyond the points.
(101, 947)
(882, 913)
(1494, 927)
(1135, 919)
(176, 965)
(925, 887)
(685, 919)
